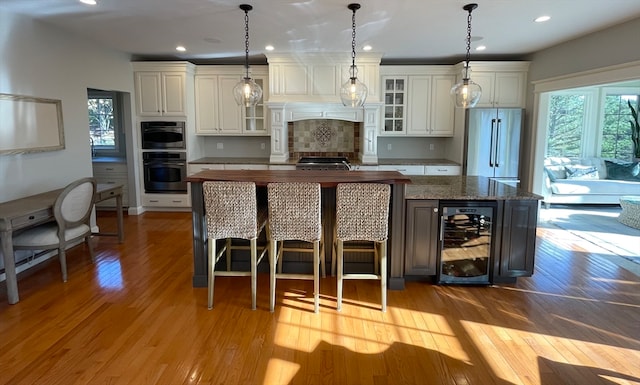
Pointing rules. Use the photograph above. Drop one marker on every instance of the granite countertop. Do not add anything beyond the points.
(403, 161)
(463, 188)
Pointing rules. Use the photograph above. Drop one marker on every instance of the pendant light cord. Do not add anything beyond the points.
(470, 8)
(353, 7)
(246, 42)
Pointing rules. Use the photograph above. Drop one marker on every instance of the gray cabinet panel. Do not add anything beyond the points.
(421, 243)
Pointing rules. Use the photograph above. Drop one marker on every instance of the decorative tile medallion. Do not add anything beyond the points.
(323, 134)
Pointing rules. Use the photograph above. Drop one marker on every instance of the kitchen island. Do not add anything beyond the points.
(328, 180)
(414, 217)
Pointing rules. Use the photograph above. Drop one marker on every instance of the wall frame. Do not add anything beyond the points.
(30, 124)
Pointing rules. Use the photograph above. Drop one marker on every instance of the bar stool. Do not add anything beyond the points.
(231, 211)
(294, 215)
(362, 214)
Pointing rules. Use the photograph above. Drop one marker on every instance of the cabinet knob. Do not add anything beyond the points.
(435, 209)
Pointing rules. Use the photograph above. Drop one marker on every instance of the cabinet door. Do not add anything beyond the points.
(442, 106)
(485, 80)
(421, 244)
(394, 108)
(518, 239)
(148, 93)
(229, 112)
(419, 104)
(509, 89)
(255, 119)
(173, 95)
(206, 88)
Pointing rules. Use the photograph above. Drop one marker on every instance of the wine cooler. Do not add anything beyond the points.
(466, 237)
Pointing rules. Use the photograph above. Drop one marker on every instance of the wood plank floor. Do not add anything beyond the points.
(134, 318)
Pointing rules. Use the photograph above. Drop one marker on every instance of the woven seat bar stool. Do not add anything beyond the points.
(232, 211)
(294, 215)
(362, 214)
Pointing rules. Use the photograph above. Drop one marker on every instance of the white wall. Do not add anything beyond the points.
(41, 61)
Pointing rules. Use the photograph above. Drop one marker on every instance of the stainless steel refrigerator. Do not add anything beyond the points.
(492, 143)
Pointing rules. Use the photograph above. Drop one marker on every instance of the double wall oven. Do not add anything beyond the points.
(165, 164)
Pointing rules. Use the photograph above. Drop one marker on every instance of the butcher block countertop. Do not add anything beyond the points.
(326, 178)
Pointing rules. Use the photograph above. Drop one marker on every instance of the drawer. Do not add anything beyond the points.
(404, 169)
(32, 219)
(442, 170)
(109, 168)
(166, 200)
(282, 167)
(196, 168)
(364, 167)
(246, 167)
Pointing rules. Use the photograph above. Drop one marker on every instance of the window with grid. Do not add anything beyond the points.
(616, 130)
(106, 138)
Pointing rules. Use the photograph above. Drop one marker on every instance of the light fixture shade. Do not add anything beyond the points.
(353, 92)
(466, 93)
(247, 92)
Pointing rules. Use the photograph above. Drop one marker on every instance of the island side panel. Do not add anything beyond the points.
(397, 231)
(199, 236)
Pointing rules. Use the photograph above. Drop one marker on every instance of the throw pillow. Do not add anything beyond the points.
(581, 172)
(620, 170)
(556, 172)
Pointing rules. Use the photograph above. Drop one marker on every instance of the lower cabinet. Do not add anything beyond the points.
(113, 174)
(514, 233)
(421, 240)
(166, 200)
(517, 240)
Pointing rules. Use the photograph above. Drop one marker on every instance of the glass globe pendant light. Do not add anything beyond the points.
(353, 92)
(467, 93)
(247, 92)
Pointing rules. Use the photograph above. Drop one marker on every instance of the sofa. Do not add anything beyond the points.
(589, 180)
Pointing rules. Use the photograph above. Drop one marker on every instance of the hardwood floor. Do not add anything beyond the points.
(134, 318)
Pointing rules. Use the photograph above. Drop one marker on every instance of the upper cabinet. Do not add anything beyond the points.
(161, 88)
(217, 112)
(417, 101)
(317, 78)
(504, 84)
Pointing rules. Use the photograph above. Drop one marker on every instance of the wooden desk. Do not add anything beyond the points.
(32, 211)
(328, 180)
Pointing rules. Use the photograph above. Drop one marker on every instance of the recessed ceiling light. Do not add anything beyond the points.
(269, 47)
(88, 2)
(367, 48)
(481, 48)
(542, 19)
(180, 48)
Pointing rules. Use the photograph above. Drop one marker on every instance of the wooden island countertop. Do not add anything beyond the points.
(326, 178)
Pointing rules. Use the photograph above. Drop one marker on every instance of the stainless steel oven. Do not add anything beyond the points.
(163, 135)
(165, 172)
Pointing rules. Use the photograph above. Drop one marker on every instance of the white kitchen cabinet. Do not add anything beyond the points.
(442, 170)
(112, 173)
(217, 112)
(504, 84)
(160, 88)
(417, 101)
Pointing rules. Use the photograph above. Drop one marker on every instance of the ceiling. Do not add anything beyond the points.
(429, 31)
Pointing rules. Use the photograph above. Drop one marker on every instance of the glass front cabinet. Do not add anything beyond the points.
(395, 108)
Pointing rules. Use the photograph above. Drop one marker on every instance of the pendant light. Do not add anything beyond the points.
(467, 93)
(353, 92)
(247, 92)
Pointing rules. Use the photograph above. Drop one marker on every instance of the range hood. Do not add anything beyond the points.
(305, 86)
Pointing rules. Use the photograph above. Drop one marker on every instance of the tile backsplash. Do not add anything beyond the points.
(324, 137)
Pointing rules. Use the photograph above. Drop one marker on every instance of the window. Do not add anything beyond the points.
(616, 130)
(566, 122)
(106, 137)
